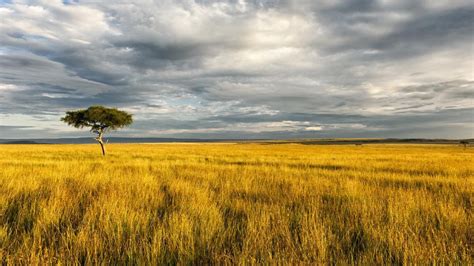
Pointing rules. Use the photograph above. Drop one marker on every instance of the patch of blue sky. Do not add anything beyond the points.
(69, 2)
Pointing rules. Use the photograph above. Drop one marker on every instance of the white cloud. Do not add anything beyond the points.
(250, 66)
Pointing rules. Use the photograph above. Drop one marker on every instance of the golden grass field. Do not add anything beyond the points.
(236, 204)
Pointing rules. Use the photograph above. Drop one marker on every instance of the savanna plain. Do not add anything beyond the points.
(236, 204)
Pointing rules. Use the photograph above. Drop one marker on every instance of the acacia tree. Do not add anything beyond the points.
(99, 119)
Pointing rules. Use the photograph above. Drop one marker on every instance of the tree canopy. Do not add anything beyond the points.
(98, 118)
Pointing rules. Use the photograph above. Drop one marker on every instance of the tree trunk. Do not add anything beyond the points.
(101, 142)
(102, 147)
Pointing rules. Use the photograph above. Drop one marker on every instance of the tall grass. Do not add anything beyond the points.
(236, 204)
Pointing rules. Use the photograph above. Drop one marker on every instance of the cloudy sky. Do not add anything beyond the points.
(240, 69)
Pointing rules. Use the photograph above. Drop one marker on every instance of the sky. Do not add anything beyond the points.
(240, 69)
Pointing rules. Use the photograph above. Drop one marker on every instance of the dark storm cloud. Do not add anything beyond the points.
(169, 52)
(430, 31)
(91, 70)
(423, 31)
(260, 68)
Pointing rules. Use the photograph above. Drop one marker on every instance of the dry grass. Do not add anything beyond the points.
(236, 204)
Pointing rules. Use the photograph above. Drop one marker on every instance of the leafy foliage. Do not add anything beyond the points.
(98, 118)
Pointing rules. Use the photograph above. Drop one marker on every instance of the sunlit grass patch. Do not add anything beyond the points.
(239, 204)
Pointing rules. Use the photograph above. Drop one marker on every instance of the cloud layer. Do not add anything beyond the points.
(241, 69)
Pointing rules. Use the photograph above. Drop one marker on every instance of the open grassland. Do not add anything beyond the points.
(236, 204)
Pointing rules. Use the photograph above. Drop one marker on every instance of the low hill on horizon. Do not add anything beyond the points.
(325, 141)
